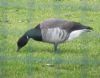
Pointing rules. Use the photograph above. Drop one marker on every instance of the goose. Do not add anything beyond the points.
(54, 31)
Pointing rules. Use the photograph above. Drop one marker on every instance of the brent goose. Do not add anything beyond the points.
(53, 31)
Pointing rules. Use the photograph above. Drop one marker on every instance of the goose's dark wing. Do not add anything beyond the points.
(63, 24)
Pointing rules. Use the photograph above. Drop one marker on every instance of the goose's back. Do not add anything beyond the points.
(53, 22)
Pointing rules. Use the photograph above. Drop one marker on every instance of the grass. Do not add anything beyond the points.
(77, 59)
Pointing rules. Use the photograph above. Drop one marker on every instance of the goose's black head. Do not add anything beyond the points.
(22, 42)
(34, 33)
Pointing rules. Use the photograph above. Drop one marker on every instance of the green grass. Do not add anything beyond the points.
(79, 58)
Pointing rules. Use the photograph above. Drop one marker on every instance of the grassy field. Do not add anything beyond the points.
(79, 58)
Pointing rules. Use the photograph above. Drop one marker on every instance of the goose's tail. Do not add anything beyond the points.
(90, 28)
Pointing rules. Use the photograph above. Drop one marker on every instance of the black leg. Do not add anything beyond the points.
(55, 47)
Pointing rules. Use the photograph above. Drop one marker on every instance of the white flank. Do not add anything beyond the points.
(76, 33)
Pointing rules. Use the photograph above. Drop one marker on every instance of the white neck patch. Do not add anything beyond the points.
(27, 37)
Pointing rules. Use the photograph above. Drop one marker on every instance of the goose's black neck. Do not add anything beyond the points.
(35, 33)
